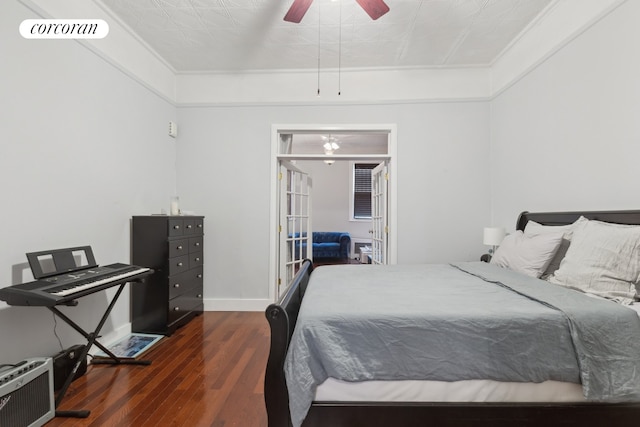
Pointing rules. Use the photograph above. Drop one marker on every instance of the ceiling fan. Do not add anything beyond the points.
(374, 8)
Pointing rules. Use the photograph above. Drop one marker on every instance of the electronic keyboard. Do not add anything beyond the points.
(64, 289)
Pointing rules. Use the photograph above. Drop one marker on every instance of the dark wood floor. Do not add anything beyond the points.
(209, 373)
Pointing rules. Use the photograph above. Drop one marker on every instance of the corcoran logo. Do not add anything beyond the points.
(4, 401)
(64, 29)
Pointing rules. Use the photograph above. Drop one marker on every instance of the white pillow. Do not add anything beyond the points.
(603, 259)
(530, 255)
(533, 229)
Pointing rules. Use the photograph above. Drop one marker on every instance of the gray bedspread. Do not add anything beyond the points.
(457, 322)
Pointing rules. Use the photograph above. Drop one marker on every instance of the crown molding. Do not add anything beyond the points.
(121, 48)
(560, 23)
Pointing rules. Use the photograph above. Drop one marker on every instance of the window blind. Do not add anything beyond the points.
(362, 190)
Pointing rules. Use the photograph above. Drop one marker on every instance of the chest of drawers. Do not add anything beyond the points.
(173, 247)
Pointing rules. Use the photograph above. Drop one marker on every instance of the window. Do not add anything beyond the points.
(362, 190)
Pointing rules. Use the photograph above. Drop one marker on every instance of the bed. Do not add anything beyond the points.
(564, 320)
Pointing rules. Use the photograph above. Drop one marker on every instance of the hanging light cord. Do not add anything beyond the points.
(318, 50)
(340, 50)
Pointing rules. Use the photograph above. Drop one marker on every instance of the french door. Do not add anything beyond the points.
(295, 235)
(379, 214)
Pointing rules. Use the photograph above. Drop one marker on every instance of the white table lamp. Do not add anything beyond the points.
(493, 236)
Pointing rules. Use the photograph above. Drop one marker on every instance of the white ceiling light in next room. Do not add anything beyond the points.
(330, 146)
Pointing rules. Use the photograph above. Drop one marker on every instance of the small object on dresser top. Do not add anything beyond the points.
(174, 205)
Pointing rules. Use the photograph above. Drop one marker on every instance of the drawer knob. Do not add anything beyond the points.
(179, 247)
(197, 259)
(199, 276)
(177, 285)
(176, 309)
(199, 295)
(179, 264)
(189, 226)
(197, 243)
(199, 225)
(176, 227)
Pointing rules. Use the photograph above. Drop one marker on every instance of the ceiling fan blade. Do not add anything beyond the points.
(374, 8)
(297, 10)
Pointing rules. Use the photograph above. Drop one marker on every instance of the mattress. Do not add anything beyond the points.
(443, 391)
(451, 391)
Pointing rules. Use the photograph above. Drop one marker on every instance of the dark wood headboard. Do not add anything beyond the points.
(564, 218)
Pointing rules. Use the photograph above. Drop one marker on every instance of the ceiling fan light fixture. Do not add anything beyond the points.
(330, 145)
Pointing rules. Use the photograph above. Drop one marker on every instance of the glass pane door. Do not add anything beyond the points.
(379, 217)
(295, 222)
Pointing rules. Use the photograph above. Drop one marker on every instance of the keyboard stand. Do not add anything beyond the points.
(91, 337)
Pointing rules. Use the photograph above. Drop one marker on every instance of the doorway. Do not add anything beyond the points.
(282, 150)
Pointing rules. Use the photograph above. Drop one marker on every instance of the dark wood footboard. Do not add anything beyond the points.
(380, 414)
(282, 318)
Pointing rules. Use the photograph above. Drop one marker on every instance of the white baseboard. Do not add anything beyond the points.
(220, 304)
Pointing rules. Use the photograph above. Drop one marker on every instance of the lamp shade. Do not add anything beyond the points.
(493, 235)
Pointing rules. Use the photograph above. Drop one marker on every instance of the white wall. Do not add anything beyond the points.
(223, 168)
(567, 136)
(84, 147)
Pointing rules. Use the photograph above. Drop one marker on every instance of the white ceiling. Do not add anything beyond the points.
(241, 35)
